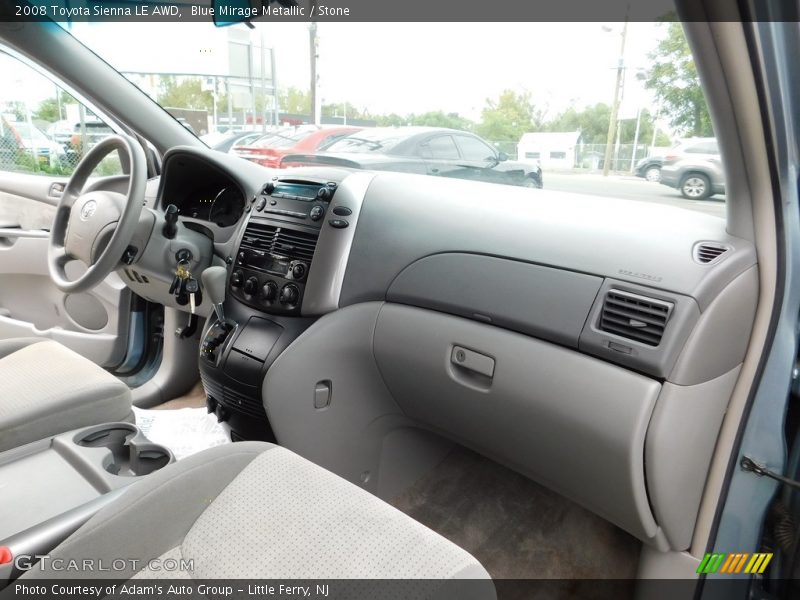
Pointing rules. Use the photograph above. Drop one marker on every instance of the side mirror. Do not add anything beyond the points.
(502, 156)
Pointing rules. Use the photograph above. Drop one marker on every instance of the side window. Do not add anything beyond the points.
(441, 147)
(474, 149)
(703, 148)
(43, 129)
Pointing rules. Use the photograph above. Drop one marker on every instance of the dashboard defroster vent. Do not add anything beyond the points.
(635, 317)
(708, 252)
(281, 241)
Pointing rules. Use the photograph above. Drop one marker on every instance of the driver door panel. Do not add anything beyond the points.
(93, 324)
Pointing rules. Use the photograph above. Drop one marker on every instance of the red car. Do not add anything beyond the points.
(270, 149)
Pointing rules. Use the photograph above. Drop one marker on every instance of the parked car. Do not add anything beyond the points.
(694, 168)
(20, 136)
(84, 136)
(225, 142)
(425, 150)
(649, 168)
(271, 148)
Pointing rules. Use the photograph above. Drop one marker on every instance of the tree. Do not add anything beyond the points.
(592, 121)
(673, 78)
(295, 101)
(391, 120)
(508, 117)
(439, 118)
(186, 94)
(49, 110)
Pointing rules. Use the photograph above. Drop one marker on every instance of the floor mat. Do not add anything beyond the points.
(516, 528)
(185, 431)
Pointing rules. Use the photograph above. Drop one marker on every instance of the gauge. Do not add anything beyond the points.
(227, 207)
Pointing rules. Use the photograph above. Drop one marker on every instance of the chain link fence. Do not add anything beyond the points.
(623, 156)
(26, 148)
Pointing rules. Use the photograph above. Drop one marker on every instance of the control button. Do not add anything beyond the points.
(261, 204)
(324, 194)
(251, 286)
(269, 291)
(290, 294)
(237, 278)
(342, 211)
(240, 257)
(298, 270)
(338, 223)
(273, 202)
(269, 188)
(316, 213)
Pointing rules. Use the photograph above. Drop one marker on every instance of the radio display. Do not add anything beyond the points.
(297, 190)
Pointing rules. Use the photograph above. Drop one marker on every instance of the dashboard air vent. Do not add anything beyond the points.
(708, 252)
(291, 243)
(635, 317)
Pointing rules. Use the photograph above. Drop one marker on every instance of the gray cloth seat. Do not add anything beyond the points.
(253, 510)
(46, 389)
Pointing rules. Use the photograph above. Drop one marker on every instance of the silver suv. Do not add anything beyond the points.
(694, 167)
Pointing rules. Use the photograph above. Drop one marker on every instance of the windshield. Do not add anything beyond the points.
(605, 130)
(374, 140)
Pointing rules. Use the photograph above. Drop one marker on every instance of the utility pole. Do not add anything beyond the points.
(314, 55)
(263, 85)
(275, 107)
(612, 122)
(636, 138)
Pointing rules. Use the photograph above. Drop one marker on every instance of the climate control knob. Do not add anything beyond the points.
(269, 291)
(299, 270)
(237, 278)
(289, 294)
(251, 286)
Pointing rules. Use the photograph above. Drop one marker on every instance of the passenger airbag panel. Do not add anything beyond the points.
(549, 303)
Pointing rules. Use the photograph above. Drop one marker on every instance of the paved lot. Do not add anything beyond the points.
(630, 188)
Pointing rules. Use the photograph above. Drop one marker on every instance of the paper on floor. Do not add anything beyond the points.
(185, 431)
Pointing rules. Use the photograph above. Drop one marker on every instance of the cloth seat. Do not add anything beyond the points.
(46, 389)
(253, 510)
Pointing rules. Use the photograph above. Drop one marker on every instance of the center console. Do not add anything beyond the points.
(53, 486)
(273, 265)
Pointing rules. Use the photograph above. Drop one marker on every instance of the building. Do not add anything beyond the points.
(553, 149)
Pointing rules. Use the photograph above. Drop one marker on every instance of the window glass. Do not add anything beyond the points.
(43, 129)
(442, 147)
(474, 149)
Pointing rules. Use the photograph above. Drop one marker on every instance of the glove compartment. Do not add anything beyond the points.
(571, 422)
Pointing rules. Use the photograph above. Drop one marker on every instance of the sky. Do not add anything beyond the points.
(408, 67)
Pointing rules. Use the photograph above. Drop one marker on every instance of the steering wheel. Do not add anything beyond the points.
(96, 227)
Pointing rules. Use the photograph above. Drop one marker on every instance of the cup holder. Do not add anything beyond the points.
(131, 454)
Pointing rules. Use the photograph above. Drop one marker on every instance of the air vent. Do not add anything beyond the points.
(635, 317)
(291, 243)
(708, 252)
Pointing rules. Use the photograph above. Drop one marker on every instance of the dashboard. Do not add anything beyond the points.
(518, 325)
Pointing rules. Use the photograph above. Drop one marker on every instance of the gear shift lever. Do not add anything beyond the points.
(214, 283)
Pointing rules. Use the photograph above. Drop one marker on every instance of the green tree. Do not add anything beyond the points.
(592, 121)
(294, 101)
(439, 118)
(673, 78)
(390, 120)
(48, 109)
(186, 94)
(508, 117)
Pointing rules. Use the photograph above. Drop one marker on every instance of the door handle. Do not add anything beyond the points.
(470, 360)
(56, 189)
(434, 171)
